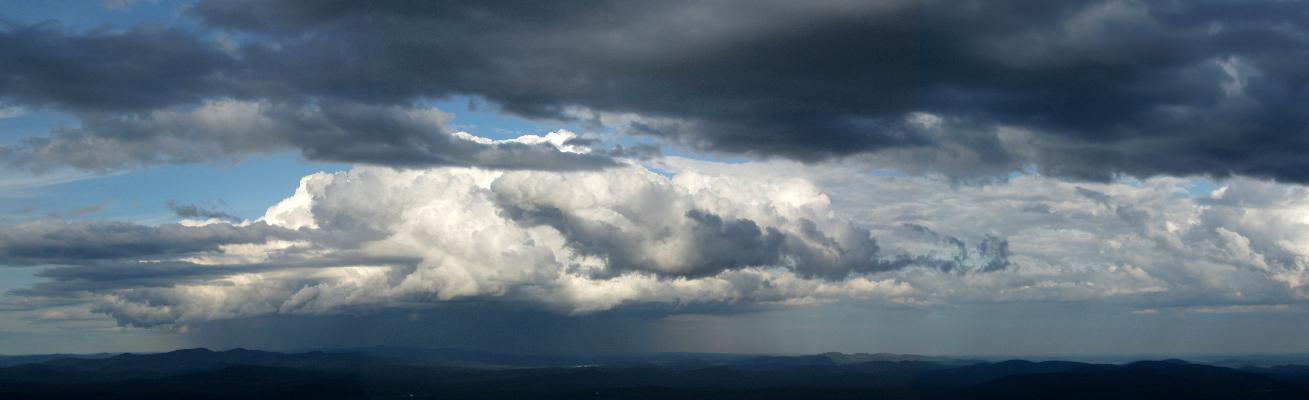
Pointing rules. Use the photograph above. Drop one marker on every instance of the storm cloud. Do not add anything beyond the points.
(1083, 89)
(566, 243)
(198, 211)
(402, 136)
(661, 176)
(59, 242)
(700, 236)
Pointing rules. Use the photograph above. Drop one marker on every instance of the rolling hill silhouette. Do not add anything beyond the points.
(382, 373)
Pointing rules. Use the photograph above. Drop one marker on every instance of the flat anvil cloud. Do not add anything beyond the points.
(1082, 89)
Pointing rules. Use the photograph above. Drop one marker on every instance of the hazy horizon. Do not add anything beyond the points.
(1266, 359)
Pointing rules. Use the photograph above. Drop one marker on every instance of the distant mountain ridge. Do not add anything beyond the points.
(9, 361)
(390, 372)
(835, 358)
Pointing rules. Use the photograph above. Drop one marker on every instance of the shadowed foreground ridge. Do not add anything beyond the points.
(383, 372)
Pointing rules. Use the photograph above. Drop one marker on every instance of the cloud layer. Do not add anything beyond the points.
(1105, 109)
(1161, 241)
(712, 236)
(1083, 89)
(403, 136)
(573, 243)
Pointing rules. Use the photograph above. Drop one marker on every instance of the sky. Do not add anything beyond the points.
(931, 177)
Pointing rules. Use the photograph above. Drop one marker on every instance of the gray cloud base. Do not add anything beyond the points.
(57, 242)
(1082, 89)
(401, 136)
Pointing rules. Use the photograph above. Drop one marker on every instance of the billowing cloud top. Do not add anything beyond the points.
(574, 243)
(727, 237)
(1085, 89)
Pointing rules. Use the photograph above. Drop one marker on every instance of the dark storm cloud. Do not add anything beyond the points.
(153, 95)
(107, 275)
(196, 211)
(734, 243)
(718, 244)
(1101, 88)
(45, 242)
(713, 244)
(395, 135)
(989, 255)
(994, 253)
(141, 68)
(1108, 87)
(1098, 197)
(639, 151)
(113, 275)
